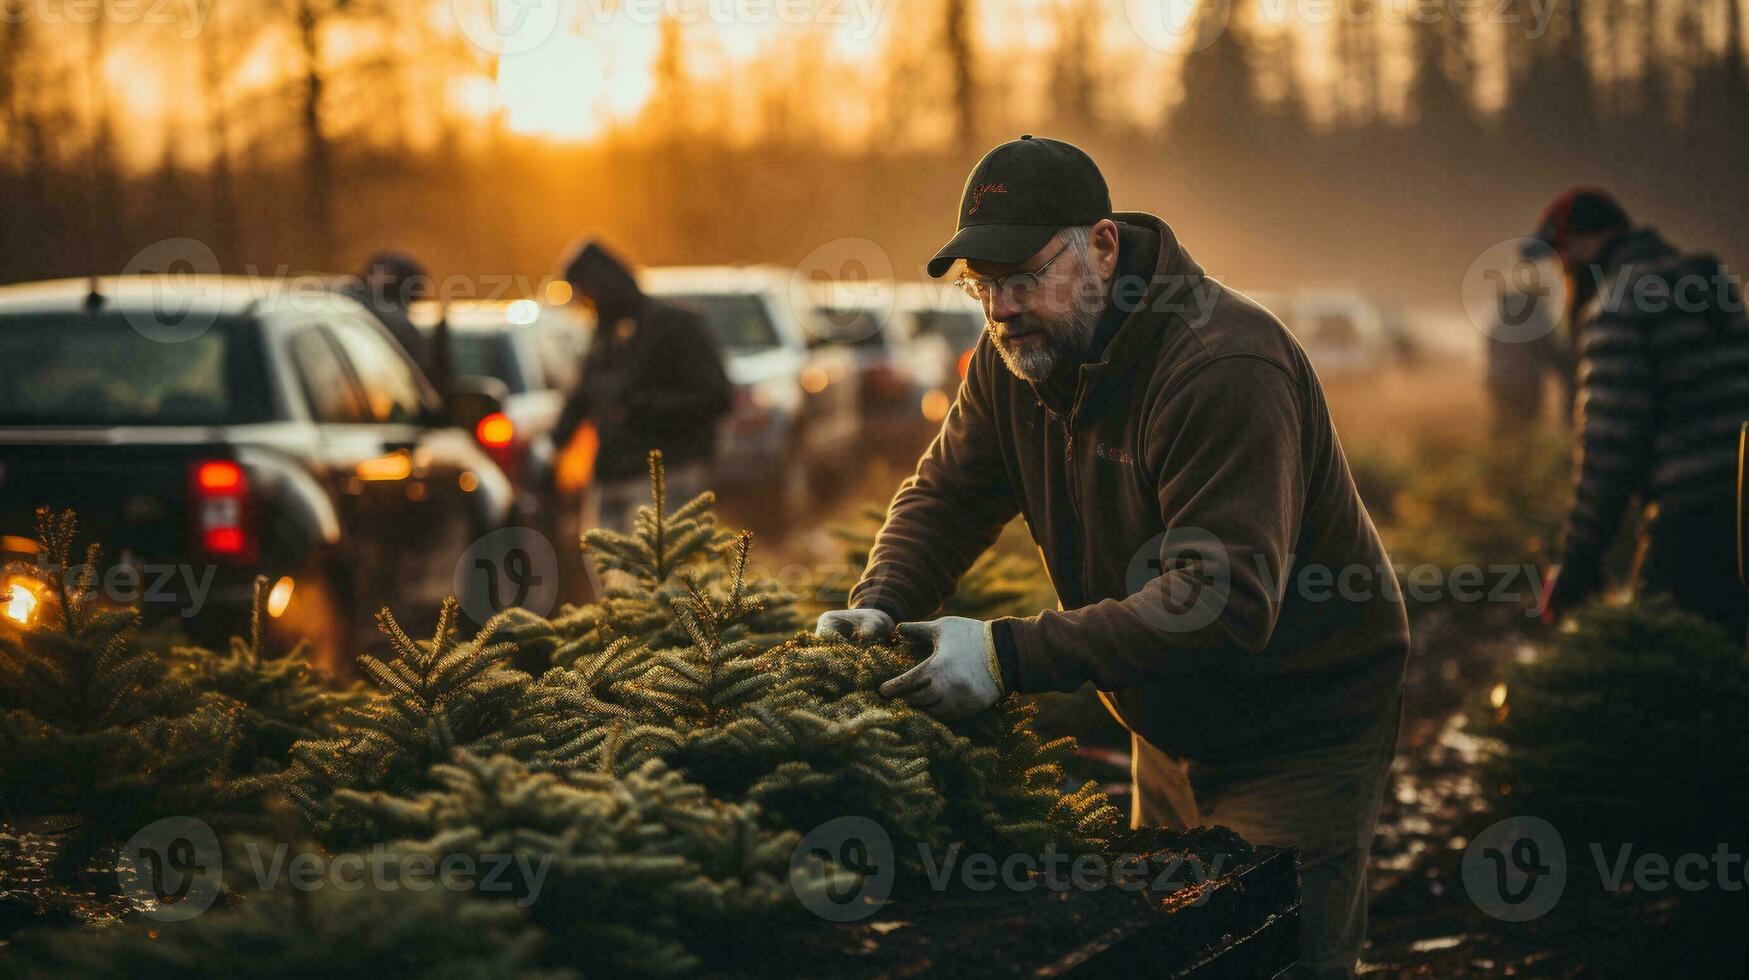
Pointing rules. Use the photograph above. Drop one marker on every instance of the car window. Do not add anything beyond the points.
(79, 369)
(487, 354)
(740, 320)
(852, 328)
(391, 389)
(327, 386)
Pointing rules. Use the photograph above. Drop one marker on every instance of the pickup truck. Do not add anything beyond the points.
(211, 429)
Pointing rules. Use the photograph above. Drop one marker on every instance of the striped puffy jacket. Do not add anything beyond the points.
(1663, 390)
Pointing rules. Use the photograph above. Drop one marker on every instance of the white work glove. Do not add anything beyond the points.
(866, 624)
(960, 679)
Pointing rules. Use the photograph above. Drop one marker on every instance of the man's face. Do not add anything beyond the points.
(1035, 330)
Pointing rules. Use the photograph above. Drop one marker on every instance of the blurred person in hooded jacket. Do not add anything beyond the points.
(653, 378)
(388, 285)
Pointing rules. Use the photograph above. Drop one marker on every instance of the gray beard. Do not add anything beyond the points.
(1064, 342)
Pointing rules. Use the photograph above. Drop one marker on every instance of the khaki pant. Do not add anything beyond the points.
(1325, 802)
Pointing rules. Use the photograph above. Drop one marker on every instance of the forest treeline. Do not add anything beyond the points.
(1431, 139)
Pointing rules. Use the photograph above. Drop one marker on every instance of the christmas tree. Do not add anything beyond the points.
(282, 698)
(671, 758)
(432, 698)
(296, 934)
(101, 731)
(1628, 730)
(661, 772)
(1007, 580)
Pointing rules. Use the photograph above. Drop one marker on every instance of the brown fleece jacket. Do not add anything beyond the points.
(1220, 581)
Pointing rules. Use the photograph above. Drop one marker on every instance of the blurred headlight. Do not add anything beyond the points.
(19, 600)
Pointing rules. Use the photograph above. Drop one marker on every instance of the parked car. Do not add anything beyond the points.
(795, 416)
(1342, 330)
(867, 325)
(536, 352)
(224, 428)
(939, 325)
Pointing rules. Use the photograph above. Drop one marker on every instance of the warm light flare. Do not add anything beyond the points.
(935, 405)
(815, 379)
(279, 597)
(395, 466)
(495, 431)
(21, 602)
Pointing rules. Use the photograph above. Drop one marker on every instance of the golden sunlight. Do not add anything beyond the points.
(572, 86)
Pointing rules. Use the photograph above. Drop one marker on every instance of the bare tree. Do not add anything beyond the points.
(961, 59)
(1074, 74)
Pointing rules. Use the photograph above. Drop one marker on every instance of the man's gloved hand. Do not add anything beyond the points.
(960, 679)
(868, 624)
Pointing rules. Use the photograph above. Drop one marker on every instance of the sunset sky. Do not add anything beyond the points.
(572, 69)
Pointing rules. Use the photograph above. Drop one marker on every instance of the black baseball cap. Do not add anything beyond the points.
(1018, 196)
(1578, 211)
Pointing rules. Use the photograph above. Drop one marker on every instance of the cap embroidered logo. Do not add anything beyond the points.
(979, 191)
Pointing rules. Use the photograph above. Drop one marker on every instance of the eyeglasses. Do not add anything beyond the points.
(1015, 284)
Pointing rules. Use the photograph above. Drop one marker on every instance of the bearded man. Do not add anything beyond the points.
(1220, 582)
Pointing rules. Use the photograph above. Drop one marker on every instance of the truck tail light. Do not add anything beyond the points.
(221, 518)
(495, 431)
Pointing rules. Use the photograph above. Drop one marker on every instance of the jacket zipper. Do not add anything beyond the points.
(1074, 505)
